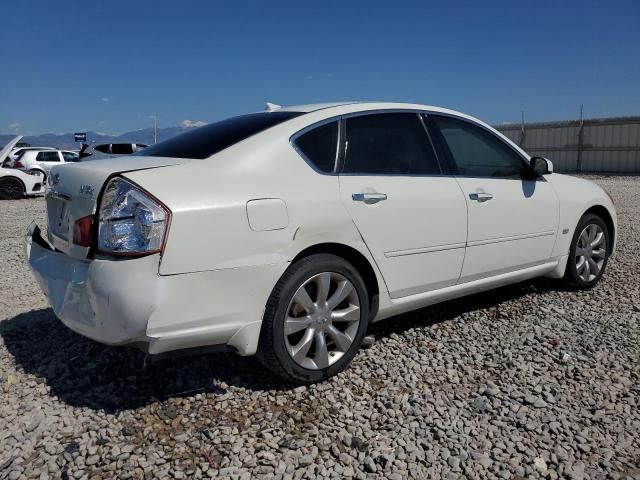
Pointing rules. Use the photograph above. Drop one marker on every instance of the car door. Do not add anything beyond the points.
(412, 217)
(512, 216)
(47, 159)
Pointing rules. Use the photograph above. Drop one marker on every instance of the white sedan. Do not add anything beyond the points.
(284, 233)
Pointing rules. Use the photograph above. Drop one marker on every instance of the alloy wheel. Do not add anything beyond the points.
(322, 320)
(590, 252)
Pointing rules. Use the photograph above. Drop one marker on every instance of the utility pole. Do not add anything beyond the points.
(155, 128)
(522, 130)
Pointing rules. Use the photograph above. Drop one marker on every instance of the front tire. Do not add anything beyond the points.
(589, 253)
(315, 319)
(11, 188)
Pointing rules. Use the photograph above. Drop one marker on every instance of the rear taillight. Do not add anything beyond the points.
(82, 231)
(130, 220)
(18, 164)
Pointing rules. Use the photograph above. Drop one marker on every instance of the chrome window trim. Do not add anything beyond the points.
(433, 146)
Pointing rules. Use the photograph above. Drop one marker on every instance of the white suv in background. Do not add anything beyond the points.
(43, 160)
(16, 153)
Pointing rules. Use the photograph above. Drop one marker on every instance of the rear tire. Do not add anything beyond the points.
(315, 320)
(11, 188)
(589, 253)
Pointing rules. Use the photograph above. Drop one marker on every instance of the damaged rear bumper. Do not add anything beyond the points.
(107, 301)
(126, 301)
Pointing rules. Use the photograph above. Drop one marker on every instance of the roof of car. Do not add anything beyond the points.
(355, 106)
(312, 107)
(50, 149)
(34, 148)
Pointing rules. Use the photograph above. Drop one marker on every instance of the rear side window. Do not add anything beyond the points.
(320, 146)
(477, 152)
(205, 141)
(48, 157)
(388, 143)
(70, 157)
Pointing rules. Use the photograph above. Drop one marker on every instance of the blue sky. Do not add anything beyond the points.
(107, 66)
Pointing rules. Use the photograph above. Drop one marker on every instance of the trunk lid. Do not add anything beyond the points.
(73, 190)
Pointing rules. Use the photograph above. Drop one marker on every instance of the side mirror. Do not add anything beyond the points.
(540, 166)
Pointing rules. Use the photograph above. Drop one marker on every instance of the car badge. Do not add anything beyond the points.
(86, 190)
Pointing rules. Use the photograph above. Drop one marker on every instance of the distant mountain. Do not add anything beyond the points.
(66, 140)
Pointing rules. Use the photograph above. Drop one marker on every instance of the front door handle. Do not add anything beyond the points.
(480, 196)
(368, 197)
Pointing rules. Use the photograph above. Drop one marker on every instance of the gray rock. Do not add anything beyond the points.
(305, 460)
(369, 465)
(540, 465)
(368, 341)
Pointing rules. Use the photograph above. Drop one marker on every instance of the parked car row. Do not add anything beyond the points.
(24, 170)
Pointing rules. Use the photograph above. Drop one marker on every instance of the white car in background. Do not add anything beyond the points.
(43, 160)
(108, 150)
(285, 233)
(15, 184)
(11, 158)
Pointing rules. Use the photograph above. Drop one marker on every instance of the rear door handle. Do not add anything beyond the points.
(368, 197)
(480, 196)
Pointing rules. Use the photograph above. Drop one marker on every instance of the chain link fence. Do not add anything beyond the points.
(601, 145)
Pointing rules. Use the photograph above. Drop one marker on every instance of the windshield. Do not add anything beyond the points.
(215, 137)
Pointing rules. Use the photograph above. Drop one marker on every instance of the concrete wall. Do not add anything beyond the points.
(596, 145)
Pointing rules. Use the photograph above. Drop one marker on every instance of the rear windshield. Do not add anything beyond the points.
(215, 137)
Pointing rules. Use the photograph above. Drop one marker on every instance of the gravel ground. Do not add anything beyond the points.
(527, 381)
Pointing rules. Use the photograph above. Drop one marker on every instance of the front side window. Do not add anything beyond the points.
(389, 144)
(320, 146)
(48, 157)
(70, 156)
(477, 152)
(202, 142)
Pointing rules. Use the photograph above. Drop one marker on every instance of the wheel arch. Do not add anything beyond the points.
(357, 259)
(39, 169)
(602, 212)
